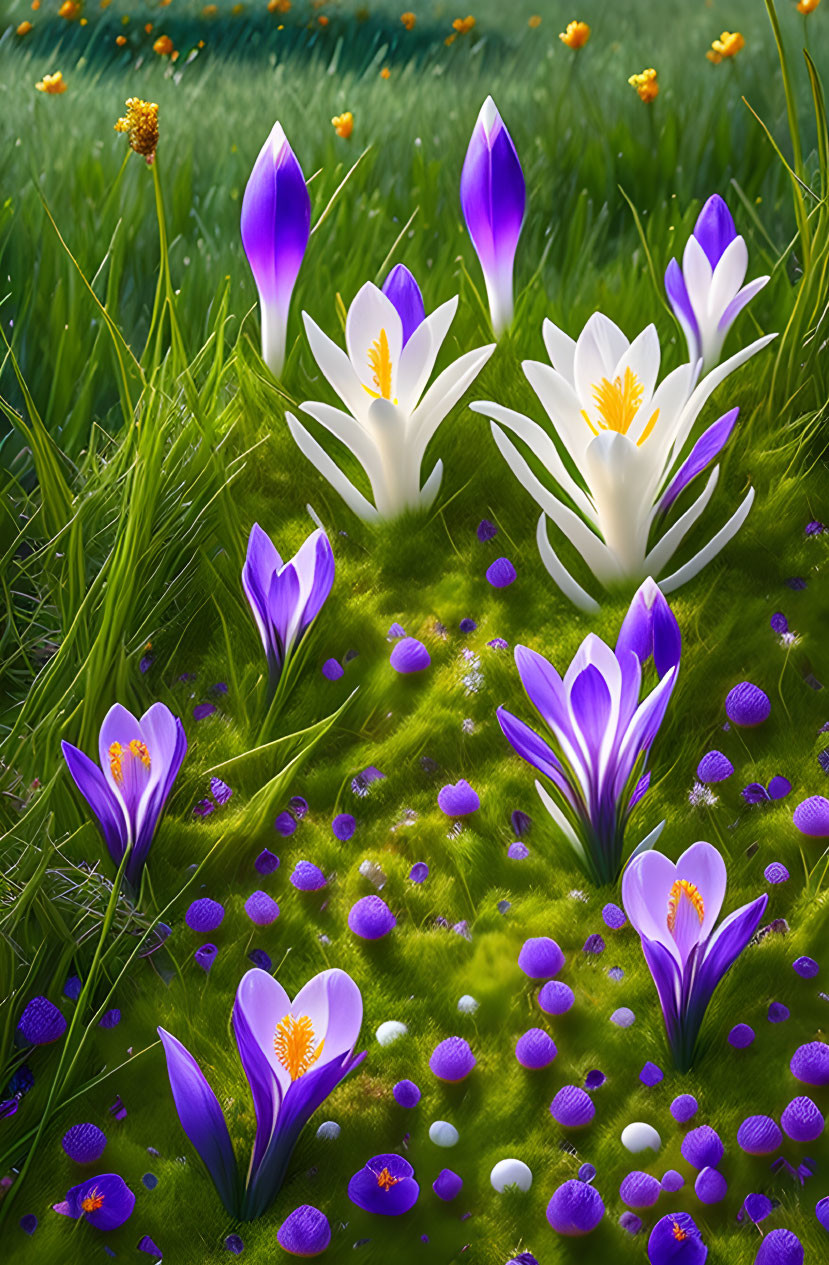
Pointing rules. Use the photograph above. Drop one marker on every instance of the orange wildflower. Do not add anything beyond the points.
(463, 25)
(646, 84)
(54, 84)
(408, 20)
(575, 35)
(163, 46)
(24, 28)
(343, 124)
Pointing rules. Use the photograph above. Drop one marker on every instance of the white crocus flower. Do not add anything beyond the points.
(389, 420)
(624, 435)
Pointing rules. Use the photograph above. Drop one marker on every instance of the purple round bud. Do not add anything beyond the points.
(639, 1190)
(777, 1013)
(710, 1186)
(305, 1232)
(406, 1094)
(741, 1036)
(28, 1223)
(467, 625)
(614, 917)
(72, 988)
(261, 909)
(756, 1207)
(298, 806)
(778, 622)
(110, 1018)
(594, 944)
(575, 1208)
(672, 1181)
(419, 872)
(261, 959)
(810, 1063)
(629, 1222)
(802, 1121)
(746, 705)
(521, 822)
(572, 1107)
(684, 1108)
(41, 1022)
(759, 1135)
(447, 1185)
(84, 1143)
(811, 817)
(307, 877)
(204, 915)
(459, 800)
(714, 767)
(332, 669)
(702, 1147)
(623, 1017)
(587, 1172)
(822, 1211)
(234, 1244)
(518, 851)
(500, 573)
(651, 1075)
(486, 530)
(780, 1247)
(540, 957)
(805, 967)
(370, 918)
(285, 824)
(779, 787)
(343, 827)
(555, 997)
(452, 1060)
(535, 1048)
(409, 655)
(594, 1080)
(776, 873)
(205, 956)
(266, 862)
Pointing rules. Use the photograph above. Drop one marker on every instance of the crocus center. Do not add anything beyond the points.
(295, 1045)
(678, 1232)
(136, 750)
(93, 1200)
(617, 404)
(385, 1180)
(379, 362)
(682, 888)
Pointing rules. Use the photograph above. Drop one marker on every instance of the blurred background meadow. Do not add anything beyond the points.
(140, 438)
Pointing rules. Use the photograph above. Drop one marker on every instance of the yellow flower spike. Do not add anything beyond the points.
(343, 124)
(807, 6)
(463, 25)
(646, 84)
(69, 10)
(575, 35)
(163, 46)
(728, 45)
(54, 84)
(534, 22)
(385, 73)
(408, 20)
(141, 125)
(24, 28)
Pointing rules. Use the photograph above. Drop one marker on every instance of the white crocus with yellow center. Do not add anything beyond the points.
(381, 379)
(624, 435)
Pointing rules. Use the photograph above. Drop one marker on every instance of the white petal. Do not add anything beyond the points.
(569, 587)
(619, 475)
(666, 547)
(562, 406)
(642, 357)
(709, 384)
(711, 550)
(417, 360)
(329, 470)
(561, 349)
(729, 275)
(697, 272)
(370, 313)
(350, 432)
(600, 347)
(430, 488)
(443, 395)
(337, 368)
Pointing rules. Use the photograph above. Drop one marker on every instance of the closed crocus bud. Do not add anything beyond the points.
(493, 200)
(276, 220)
(404, 292)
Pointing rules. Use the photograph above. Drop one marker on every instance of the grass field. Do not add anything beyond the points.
(141, 436)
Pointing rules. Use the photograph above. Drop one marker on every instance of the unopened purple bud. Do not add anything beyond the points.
(261, 908)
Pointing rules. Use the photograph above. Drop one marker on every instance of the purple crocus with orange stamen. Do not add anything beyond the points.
(674, 909)
(286, 597)
(139, 762)
(105, 1202)
(493, 201)
(276, 225)
(602, 732)
(705, 293)
(294, 1055)
(385, 1185)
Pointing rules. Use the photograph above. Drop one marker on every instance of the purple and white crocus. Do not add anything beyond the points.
(493, 201)
(675, 908)
(601, 733)
(627, 440)
(286, 597)
(391, 349)
(128, 789)
(294, 1054)
(707, 293)
(276, 222)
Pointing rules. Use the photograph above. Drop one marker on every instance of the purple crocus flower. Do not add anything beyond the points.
(385, 1185)
(286, 597)
(674, 909)
(105, 1202)
(404, 292)
(276, 222)
(294, 1054)
(493, 201)
(602, 732)
(676, 1240)
(705, 293)
(139, 762)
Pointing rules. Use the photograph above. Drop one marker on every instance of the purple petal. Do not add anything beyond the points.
(276, 219)
(92, 784)
(404, 292)
(591, 704)
(677, 293)
(708, 446)
(714, 229)
(493, 192)
(650, 628)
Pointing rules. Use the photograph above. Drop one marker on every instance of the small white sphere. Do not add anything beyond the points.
(638, 1137)
(468, 1005)
(442, 1133)
(511, 1173)
(328, 1129)
(391, 1031)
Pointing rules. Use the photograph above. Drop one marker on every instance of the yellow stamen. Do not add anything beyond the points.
(683, 888)
(139, 749)
(93, 1201)
(116, 758)
(293, 1045)
(618, 403)
(385, 1180)
(379, 361)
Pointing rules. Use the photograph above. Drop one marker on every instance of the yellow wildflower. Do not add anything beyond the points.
(163, 46)
(210, 11)
(408, 20)
(69, 10)
(141, 125)
(343, 124)
(54, 84)
(35, 5)
(463, 25)
(385, 73)
(534, 21)
(645, 84)
(575, 35)
(728, 45)
(279, 6)
(24, 28)
(323, 20)
(148, 26)
(807, 6)
(120, 40)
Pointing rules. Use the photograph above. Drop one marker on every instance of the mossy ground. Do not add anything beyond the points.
(161, 512)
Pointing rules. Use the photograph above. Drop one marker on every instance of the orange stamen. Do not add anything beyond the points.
(93, 1201)
(385, 1180)
(683, 888)
(293, 1045)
